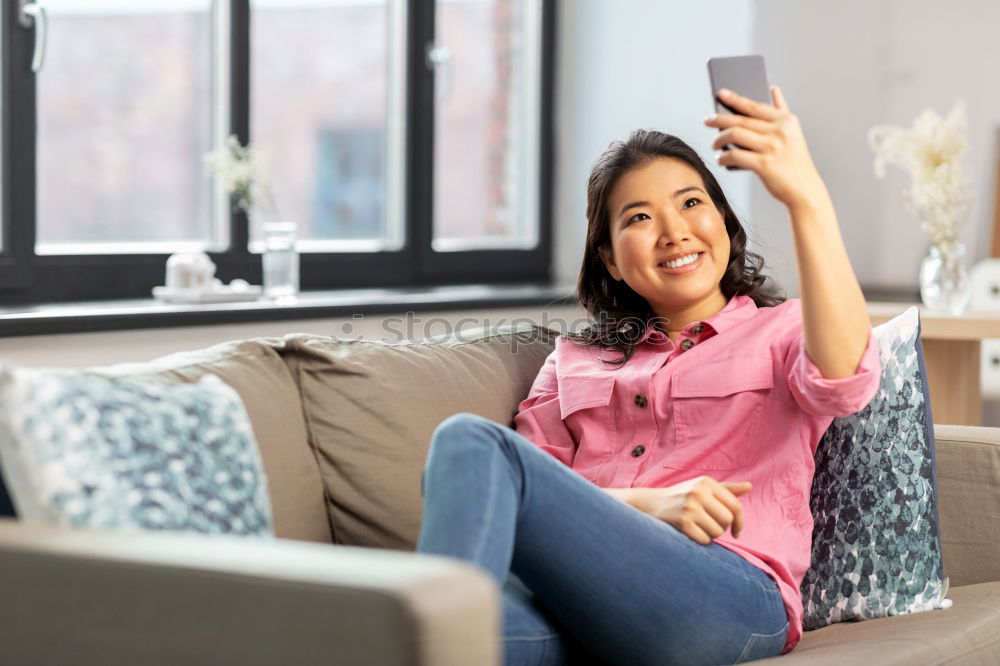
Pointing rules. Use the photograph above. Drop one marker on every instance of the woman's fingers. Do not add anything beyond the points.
(779, 98)
(720, 513)
(728, 496)
(737, 157)
(743, 138)
(747, 106)
(726, 120)
(700, 527)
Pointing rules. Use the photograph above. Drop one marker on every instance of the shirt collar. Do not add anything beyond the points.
(738, 309)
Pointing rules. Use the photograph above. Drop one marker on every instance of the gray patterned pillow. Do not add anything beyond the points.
(91, 451)
(876, 550)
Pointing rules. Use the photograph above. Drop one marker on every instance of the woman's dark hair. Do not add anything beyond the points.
(621, 314)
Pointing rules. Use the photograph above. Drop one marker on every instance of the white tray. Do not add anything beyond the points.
(215, 294)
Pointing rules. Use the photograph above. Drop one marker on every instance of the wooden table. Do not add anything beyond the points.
(952, 352)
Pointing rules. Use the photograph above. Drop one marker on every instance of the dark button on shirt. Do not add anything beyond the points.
(697, 329)
(687, 343)
(638, 451)
(640, 400)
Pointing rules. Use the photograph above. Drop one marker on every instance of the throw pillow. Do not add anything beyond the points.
(257, 373)
(876, 548)
(86, 450)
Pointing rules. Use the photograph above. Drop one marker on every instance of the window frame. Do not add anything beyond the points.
(26, 277)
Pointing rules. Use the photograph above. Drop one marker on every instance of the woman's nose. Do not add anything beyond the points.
(673, 229)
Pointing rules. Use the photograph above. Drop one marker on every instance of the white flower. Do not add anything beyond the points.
(242, 172)
(930, 151)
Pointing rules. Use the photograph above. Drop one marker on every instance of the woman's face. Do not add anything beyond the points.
(668, 240)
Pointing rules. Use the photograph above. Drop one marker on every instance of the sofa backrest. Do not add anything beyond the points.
(371, 408)
(255, 370)
(968, 476)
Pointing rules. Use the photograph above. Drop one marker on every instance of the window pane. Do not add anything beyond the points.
(319, 110)
(123, 122)
(486, 147)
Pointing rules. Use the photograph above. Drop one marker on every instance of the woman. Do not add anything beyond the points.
(654, 498)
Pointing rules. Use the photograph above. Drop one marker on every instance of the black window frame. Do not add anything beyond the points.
(27, 278)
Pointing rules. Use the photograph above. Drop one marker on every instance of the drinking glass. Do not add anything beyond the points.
(281, 260)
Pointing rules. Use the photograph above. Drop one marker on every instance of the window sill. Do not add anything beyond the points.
(94, 316)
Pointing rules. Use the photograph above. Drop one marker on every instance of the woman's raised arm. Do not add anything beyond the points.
(834, 314)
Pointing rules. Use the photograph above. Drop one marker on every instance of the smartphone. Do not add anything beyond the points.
(742, 74)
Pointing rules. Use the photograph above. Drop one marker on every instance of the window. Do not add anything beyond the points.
(123, 109)
(409, 139)
(321, 111)
(486, 174)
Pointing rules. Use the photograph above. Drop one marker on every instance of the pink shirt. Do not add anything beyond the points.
(744, 403)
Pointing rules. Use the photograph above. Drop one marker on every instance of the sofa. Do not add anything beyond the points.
(343, 427)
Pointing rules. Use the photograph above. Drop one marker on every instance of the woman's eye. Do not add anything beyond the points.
(694, 199)
(636, 218)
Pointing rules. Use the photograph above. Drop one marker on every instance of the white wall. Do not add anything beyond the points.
(848, 65)
(630, 64)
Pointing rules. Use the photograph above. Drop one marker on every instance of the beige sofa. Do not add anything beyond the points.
(343, 428)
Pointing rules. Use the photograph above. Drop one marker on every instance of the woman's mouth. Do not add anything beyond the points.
(685, 264)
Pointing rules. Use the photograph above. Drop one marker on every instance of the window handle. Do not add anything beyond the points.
(32, 13)
(441, 62)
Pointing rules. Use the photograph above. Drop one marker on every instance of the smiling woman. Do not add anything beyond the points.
(689, 443)
(622, 277)
(681, 277)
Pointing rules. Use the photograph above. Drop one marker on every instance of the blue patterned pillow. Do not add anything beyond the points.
(92, 451)
(876, 549)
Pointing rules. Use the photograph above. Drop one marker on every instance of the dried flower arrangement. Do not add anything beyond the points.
(243, 173)
(930, 151)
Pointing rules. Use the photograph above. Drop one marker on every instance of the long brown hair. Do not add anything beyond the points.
(621, 315)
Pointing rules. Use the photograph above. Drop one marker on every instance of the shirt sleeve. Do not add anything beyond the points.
(819, 395)
(538, 416)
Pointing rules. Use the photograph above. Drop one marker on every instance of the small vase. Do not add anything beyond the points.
(944, 282)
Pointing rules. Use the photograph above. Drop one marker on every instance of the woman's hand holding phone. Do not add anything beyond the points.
(701, 508)
(768, 140)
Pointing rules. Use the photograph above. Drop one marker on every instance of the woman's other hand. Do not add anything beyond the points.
(702, 508)
(768, 140)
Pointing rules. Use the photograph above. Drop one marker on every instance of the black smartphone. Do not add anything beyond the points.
(742, 74)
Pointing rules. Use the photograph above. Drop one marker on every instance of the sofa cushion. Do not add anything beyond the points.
(255, 370)
(966, 633)
(85, 450)
(371, 408)
(876, 546)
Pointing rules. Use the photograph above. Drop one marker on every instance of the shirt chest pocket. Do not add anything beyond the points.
(717, 409)
(585, 407)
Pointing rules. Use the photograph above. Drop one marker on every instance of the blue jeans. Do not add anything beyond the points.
(587, 578)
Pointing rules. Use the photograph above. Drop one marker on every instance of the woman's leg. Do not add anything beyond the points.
(628, 587)
(531, 635)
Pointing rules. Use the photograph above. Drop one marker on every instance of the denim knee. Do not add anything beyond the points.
(462, 420)
(452, 437)
(457, 427)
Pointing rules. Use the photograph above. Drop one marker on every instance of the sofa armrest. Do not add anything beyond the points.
(968, 476)
(90, 597)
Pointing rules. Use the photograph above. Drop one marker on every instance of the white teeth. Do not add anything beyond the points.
(683, 261)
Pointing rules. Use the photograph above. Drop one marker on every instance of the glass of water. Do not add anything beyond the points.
(281, 260)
